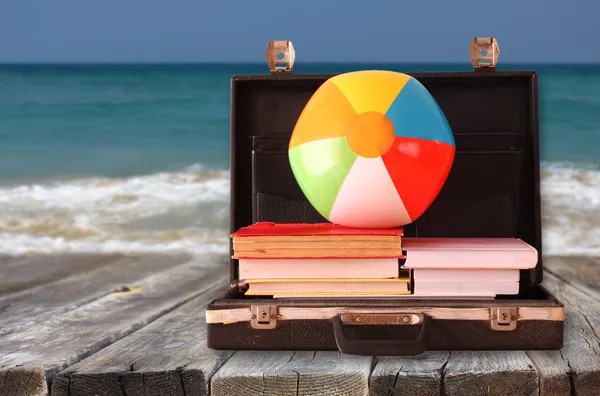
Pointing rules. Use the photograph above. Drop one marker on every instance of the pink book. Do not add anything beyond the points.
(318, 268)
(464, 289)
(469, 253)
(465, 275)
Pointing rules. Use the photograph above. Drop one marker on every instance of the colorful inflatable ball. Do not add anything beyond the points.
(371, 149)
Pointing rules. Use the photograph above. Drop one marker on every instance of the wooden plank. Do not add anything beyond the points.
(112, 273)
(169, 357)
(416, 375)
(64, 340)
(490, 373)
(581, 351)
(23, 381)
(292, 373)
(583, 273)
(554, 372)
(18, 273)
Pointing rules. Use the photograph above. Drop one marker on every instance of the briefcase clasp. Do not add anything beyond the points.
(264, 317)
(503, 318)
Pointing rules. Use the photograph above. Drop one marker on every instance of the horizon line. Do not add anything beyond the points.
(150, 63)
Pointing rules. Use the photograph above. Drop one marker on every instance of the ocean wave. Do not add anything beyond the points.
(570, 209)
(188, 211)
(181, 211)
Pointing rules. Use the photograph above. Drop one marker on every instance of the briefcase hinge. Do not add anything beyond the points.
(503, 318)
(484, 52)
(263, 317)
(280, 56)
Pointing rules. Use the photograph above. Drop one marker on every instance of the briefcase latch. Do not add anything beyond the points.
(263, 317)
(280, 56)
(484, 52)
(504, 319)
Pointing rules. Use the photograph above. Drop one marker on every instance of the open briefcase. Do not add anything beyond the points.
(493, 190)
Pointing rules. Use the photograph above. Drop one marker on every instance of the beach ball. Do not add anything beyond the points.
(371, 149)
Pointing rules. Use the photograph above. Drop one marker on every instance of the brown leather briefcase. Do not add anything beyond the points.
(493, 190)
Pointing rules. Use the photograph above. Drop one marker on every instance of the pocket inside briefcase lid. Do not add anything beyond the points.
(493, 189)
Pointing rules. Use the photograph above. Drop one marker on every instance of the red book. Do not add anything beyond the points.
(266, 228)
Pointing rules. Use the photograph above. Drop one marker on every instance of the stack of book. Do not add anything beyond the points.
(467, 267)
(316, 260)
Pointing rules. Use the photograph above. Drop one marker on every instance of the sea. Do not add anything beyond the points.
(134, 158)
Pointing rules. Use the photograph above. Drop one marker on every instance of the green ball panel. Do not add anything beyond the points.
(320, 167)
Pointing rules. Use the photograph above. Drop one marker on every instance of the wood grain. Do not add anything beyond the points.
(582, 273)
(554, 372)
(416, 376)
(61, 341)
(169, 357)
(18, 273)
(102, 275)
(292, 373)
(476, 373)
(581, 351)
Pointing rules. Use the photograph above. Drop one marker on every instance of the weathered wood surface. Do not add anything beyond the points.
(582, 273)
(166, 358)
(99, 276)
(580, 355)
(169, 356)
(18, 273)
(293, 373)
(553, 372)
(490, 373)
(28, 359)
(456, 373)
(416, 376)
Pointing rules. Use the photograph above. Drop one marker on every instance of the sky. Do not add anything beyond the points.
(528, 31)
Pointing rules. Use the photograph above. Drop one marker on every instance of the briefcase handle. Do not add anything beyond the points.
(378, 347)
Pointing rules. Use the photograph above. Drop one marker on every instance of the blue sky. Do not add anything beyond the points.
(322, 30)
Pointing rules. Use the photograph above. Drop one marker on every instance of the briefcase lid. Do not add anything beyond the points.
(493, 189)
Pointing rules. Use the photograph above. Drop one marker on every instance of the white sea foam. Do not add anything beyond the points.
(188, 211)
(570, 210)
